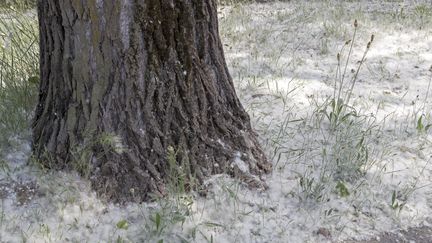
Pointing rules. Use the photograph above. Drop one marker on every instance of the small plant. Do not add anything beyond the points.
(81, 160)
(158, 220)
(342, 189)
(311, 189)
(339, 113)
(122, 224)
(399, 14)
(45, 230)
(421, 126)
(395, 203)
(171, 212)
(42, 166)
(180, 178)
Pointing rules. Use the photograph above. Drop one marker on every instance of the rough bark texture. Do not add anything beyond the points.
(152, 74)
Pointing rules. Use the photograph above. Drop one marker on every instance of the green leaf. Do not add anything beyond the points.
(123, 224)
(158, 221)
(342, 189)
(393, 200)
(420, 126)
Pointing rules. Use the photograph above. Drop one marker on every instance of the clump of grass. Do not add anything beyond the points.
(19, 61)
(422, 13)
(346, 135)
(83, 153)
(176, 175)
(417, 15)
(311, 189)
(348, 128)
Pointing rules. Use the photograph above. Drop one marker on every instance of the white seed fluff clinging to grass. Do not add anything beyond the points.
(344, 117)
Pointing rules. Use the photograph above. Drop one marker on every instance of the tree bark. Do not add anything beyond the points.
(126, 83)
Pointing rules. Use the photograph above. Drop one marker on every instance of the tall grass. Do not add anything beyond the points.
(19, 58)
(18, 4)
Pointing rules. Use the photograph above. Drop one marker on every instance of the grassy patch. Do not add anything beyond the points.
(19, 62)
(17, 4)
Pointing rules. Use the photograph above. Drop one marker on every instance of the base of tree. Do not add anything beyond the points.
(136, 95)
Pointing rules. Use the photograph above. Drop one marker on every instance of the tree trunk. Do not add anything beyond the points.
(129, 87)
